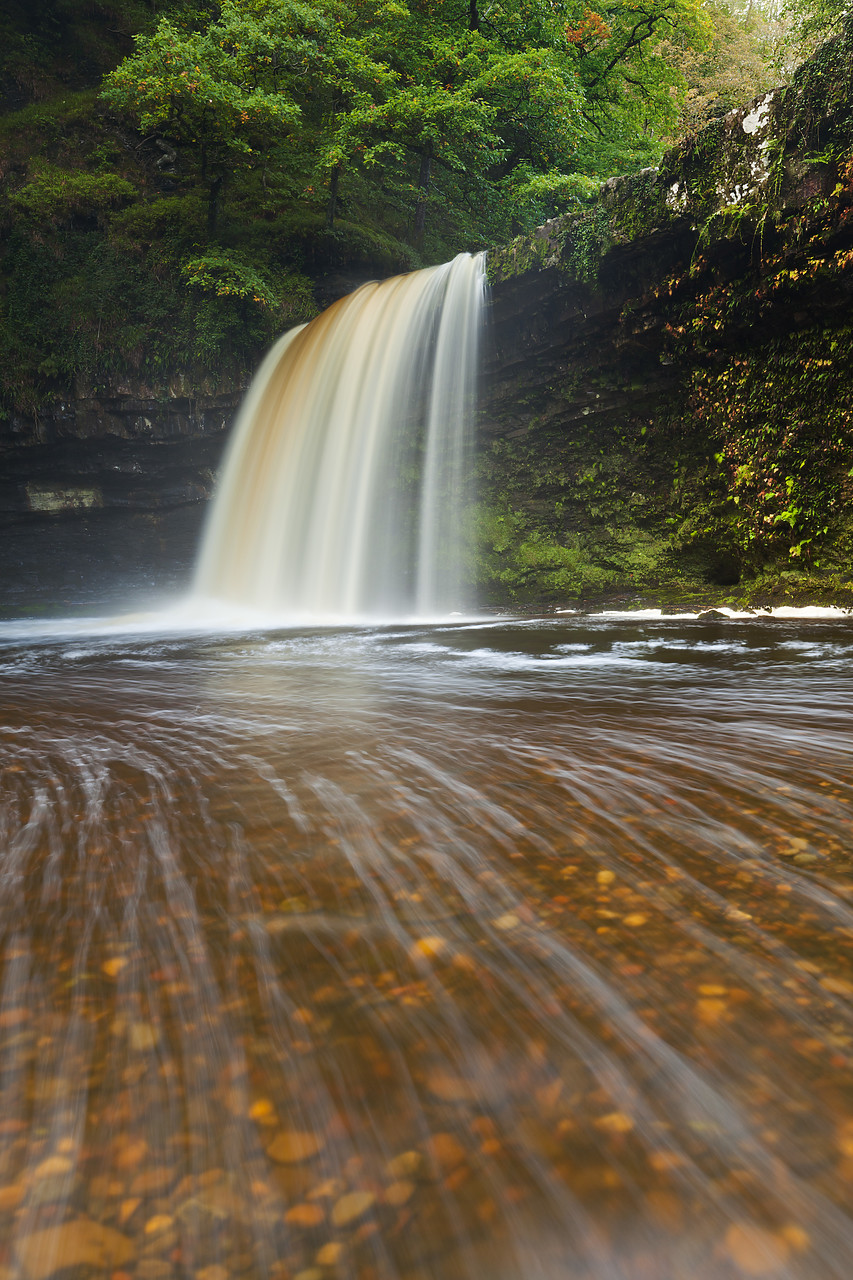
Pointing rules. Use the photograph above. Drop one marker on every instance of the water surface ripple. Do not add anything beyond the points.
(506, 950)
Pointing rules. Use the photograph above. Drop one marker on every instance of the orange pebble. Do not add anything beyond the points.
(305, 1215)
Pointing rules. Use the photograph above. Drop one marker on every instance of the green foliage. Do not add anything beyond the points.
(810, 22)
(132, 293)
(536, 197)
(223, 273)
(48, 123)
(784, 426)
(227, 275)
(486, 122)
(586, 241)
(217, 87)
(241, 148)
(54, 194)
(244, 147)
(740, 61)
(632, 85)
(222, 89)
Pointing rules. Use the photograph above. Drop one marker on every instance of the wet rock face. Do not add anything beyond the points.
(666, 399)
(102, 500)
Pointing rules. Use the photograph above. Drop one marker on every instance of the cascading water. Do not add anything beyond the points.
(318, 512)
(457, 950)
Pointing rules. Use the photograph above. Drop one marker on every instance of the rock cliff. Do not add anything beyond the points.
(668, 402)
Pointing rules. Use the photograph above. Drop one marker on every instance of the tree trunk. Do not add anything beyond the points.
(473, 16)
(331, 207)
(213, 193)
(423, 191)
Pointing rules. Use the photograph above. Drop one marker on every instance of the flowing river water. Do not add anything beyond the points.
(494, 950)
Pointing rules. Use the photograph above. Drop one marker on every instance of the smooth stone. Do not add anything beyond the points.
(160, 1222)
(405, 1165)
(79, 1243)
(797, 844)
(450, 1088)
(754, 1251)
(399, 1193)
(845, 1139)
(103, 1187)
(711, 1011)
(154, 1269)
(131, 1152)
(150, 1182)
(837, 986)
(52, 1190)
(428, 948)
(351, 1207)
(330, 1254)
(14, 1017)
(292, 1146)
(263, 1111)
(305, 1215)
(11, 1196)
(53, 1167)
(213, 1202)
(143, 1036)
(127, 1209)
(615, 1122)
(445, 1150)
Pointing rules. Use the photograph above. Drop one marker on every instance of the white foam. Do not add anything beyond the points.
(832, 612)
(194, 616)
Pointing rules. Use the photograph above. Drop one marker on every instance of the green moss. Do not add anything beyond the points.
(48, 122)
(54, 194)
(585, 243)
(739, 484)
(525, 253)
(783, 421)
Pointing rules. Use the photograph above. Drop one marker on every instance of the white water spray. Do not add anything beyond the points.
(346, 485)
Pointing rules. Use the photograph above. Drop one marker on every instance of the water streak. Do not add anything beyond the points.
(429, 954)
(345, 489)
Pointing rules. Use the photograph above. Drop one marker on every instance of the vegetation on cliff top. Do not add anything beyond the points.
(179, 177)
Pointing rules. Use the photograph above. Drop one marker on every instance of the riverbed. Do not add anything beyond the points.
(486, 950)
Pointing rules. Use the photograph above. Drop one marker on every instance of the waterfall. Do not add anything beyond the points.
(346, 488)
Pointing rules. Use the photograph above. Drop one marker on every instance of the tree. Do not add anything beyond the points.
(740, 61)
(632, 87)
(225, 89)
(809, 23)
(492, 115)
(516, 105)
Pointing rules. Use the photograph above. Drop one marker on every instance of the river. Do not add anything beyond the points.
(493, 950)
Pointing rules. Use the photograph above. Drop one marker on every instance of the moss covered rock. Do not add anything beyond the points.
(668, 404)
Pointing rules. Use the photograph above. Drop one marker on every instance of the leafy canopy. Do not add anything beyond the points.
(493, 117)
